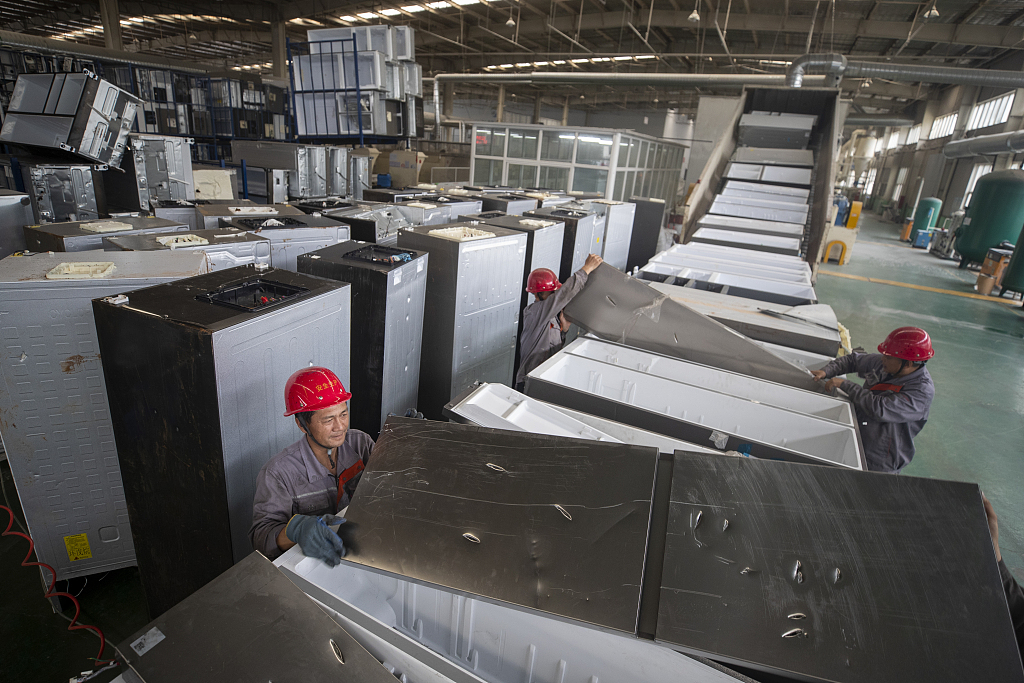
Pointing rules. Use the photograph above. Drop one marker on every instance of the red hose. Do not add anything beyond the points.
(50, 593)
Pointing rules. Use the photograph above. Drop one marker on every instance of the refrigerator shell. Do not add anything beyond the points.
(215, 215)
(461, 207)
(516, 204)
(56, 425)
(75, 237)
(299, 234)
(306, 164)
(224, 248)
(199, 367)
(76, 113)
(647, 222)
(474, 288)
(374, 222)
(155, 168)
(420, 212)
(62, 193)
(388, 301)
(15, 214)
(618, 229)
(581, 237)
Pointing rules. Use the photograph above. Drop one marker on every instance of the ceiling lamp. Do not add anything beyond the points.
(511, 22)
(933, 13)
(694, 17)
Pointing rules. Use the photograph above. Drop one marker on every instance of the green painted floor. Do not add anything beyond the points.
(975, 434)
(976, 429)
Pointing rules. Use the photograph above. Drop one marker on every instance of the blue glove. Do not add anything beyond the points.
(315, 538)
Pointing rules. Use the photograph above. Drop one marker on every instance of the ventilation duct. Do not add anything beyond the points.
(878, 120)
(1001, 143)
(836, 67)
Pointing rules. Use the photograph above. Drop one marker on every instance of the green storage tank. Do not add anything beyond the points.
(1013, 276)
(996, 213)
(927, 216)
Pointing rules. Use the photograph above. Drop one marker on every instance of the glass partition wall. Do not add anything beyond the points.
(617, 164)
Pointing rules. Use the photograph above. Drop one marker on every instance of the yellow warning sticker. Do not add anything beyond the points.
(78, 547)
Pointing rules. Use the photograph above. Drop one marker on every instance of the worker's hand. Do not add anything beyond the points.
(833, 383)
(563, 324)
(993, 526)
(591, 264)
(315, 538)
(818, 374)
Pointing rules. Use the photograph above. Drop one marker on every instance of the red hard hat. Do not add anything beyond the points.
(908, 343)
(313, 388)
(542, 280)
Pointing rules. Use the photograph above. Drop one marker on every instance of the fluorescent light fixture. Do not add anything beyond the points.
(578, 61)
(412, 9)
(492, 66)
(367, 15)
(523, 64)
(466, 2)
(621, 59)
(562, 136)
(558, 61)
(645, 56)
(389, 12)
(347, 17)
(540, 63)
(505, 66)
(438, 5)
(601, 59)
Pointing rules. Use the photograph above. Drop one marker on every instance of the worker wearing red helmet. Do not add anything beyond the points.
(301, 489)
(543, 324)
(893, 404)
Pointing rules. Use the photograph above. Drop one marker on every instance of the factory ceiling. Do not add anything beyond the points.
(506, 36)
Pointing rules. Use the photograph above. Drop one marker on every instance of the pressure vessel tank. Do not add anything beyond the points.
(927, 216)
(996, 213)
(1013, 276)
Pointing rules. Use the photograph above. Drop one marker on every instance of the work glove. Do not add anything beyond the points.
(315, 537)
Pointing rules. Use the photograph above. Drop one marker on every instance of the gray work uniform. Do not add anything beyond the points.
(541, 335)
(891, 410)
(294, 482)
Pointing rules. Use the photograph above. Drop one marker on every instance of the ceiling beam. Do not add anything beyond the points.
(217, 36)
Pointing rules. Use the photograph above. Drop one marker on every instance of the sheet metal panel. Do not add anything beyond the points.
(420, 212)
(740, 195)
(488, 513)
(763, 289)
(185, 375)
(224, 248)
(740, 171)
(692, 413)
(787, 175)
(460, 206)
(387, 300)
(769, 189)
(647, 223)
(215, 213)
(719, 251)
(774, 156)
(515, 204)
(62, 193)
(377, 223)
(749, 240)
(700, 263)
(618, 229)
(622, 309)
(221, 633)
(737, 224)
(770, 129)
(72, 236)
(56, 423)
(815, 404)
(474, 289)
(891, 613)
(293, 235)
(744, 316)
(497, 406)
(156, 168)
(782, 212)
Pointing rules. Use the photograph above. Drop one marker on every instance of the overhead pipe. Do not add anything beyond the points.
(835, 67)
(12, 39)
(1000, 143)
(878, 120)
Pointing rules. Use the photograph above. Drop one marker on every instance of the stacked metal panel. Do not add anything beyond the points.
(474, 289)
(769, 174)
(56, 424)
(156, 168)
(197, 367)
(700, 404)
(774, 156)
(85, 235)
(293, 235)
(388, 291)
(747, 240)
(773, 129)
(224, 247)
(15, 214)
(76, 113)
(581, 236)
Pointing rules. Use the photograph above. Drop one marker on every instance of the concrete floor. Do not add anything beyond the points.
(976, 426)
(974, 434)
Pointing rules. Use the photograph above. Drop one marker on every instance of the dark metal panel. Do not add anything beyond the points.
(545, 523)
(823, 574)
(622, 309)
(647, 222)
(249, 624)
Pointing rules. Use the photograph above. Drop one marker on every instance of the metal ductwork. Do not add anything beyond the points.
(12, 39)
(832, 65)
(878, 120)
(836, 67)
(1001, 143)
